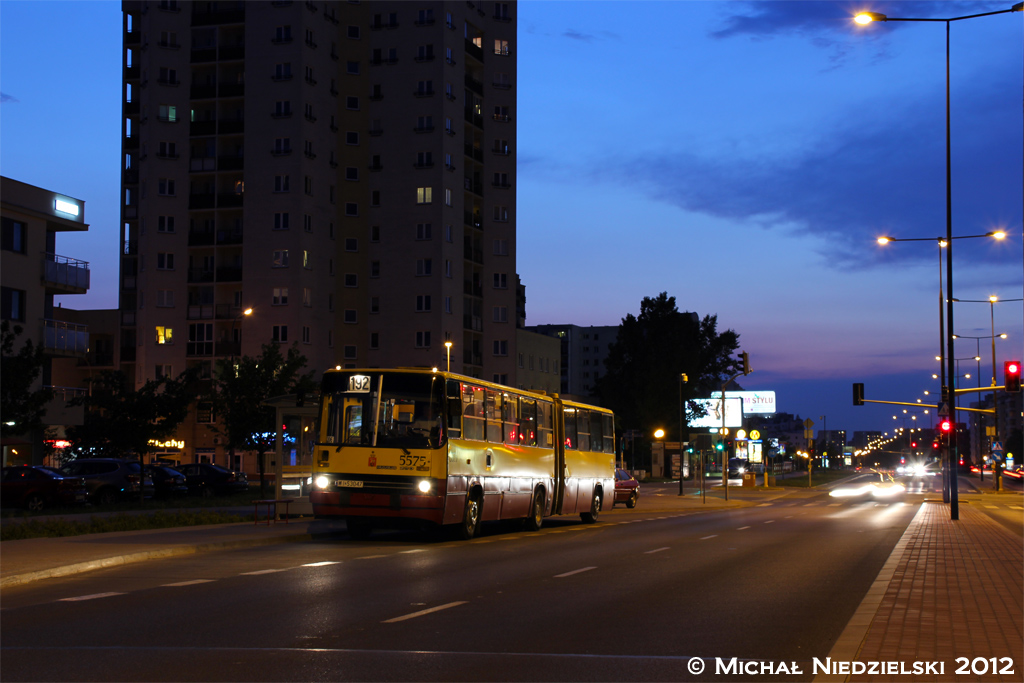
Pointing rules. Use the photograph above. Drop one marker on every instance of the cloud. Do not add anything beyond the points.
(5, 98)
(883, 173)
(589, 37)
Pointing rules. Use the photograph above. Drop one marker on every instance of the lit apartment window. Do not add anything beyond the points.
(422, 303)
(423, 266)
(165, 223)
(423, 339)
(307, 260)
(500, 146)
(500, 47)
(280, 333)
(424, 195)
(165, 261)
(168, 113)
(280, 258)
(280, 296)
(163, 335)
(281, 220)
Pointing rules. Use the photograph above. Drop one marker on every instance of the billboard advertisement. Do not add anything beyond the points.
(754, 402)
(712, 418)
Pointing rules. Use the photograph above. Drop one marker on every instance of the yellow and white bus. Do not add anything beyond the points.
(428, 448)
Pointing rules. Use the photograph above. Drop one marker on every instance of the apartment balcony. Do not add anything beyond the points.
(229, 274)
(231, 90)
(127, 354)
(228, 348)
(473, 51)
(476, 153)
(196, 128)
(65, 339)
(203, 92)
(474, 118)
(227, 200)
(230, 163)
(63, 275)
(132, 108)
(475, 188)
(200, 275)
(198, 238)
(132, 72)
(205, 54)
(236, 15)
(472, 288)
(201, 201)
(131, 177)
(230, 52)
(133, 38)
(226, 237)
(202, 312)
(474, 255)
(199, 348)
(131, 248)
(473, 219)
(201, 164)
(230, 126)
(474, 85)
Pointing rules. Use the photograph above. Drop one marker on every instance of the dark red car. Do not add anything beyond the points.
(35, 488)
(627, 489)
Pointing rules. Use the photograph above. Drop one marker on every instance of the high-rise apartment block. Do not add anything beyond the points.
(344, 169)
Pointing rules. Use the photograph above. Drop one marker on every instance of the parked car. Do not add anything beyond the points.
(110, 479)
(627, 489)
(206, 480)
(35, 488)
(167, 481)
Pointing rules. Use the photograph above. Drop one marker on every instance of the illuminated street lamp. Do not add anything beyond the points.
(865, 18)
(448, 351)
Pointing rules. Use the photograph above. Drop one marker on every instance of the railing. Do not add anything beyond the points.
(61, 270)
(473, 51)
(200, 238)
(64, 337)
(66, 393)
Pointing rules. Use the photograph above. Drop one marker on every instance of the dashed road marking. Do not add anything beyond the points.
(262, 571)
(187, 583)
(742, 528)
(423, 612)
(656, 550)
(414, 550)
(94, 596)
(770, 521)
(370, 557)
(320, 564)
(711, 536)
(574, 571)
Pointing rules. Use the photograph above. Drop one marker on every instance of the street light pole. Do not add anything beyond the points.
(682, 380)
(866, 18)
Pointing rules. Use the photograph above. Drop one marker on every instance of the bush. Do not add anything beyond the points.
(58, 527)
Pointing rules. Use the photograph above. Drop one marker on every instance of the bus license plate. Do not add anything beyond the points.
(348, 483)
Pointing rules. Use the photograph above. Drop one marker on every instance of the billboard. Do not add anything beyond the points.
(754, 402)
(712, 412)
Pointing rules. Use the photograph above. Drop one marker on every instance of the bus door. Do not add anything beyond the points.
(559, 468)
(571, 459)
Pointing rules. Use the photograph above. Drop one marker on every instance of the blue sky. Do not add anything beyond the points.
(742, 156)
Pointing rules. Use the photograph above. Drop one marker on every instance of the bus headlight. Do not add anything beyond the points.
(424, 486)
(322, 482)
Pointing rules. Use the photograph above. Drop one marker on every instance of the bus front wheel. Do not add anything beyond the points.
(595, 509)
(536, 518)
(471, 517)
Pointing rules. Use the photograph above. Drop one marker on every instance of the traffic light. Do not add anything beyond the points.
(946, 426)
(1011, 375)
(858, 393)
(719, 445)
(746, 363)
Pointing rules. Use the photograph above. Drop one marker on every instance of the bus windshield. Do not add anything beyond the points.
(384, 410)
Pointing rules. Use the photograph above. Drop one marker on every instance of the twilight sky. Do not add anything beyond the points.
(742, 156)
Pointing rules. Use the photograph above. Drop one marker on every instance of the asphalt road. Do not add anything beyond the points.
(634, 597)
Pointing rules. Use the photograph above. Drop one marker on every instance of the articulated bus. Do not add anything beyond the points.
(400, 447)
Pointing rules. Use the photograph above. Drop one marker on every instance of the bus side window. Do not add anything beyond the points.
(583, 429)
(473, 412)
(596, 440)
(609, 433)
(527, 421)
(492, 413)
(545, 435)
(510, 416)
(569, 415)
(454, 418)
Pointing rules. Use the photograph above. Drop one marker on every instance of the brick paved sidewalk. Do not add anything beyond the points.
(957, 590)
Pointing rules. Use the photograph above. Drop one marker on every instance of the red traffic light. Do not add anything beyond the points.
(946, 425)
(1011, 375)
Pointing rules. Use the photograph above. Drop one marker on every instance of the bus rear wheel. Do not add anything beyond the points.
(536, 518)
(470, 525)
(595, 509)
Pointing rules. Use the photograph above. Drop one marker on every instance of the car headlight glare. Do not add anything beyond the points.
(322, 482)
(424, 486)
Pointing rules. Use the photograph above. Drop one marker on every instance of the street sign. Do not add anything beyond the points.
(943, 410)
(808, 423)
(997, 447)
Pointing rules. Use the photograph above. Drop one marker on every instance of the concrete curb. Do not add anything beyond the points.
(131, 558)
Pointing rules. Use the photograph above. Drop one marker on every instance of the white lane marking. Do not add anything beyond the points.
(1017, 507)
(742, 528)
(788, 517)
(89, 597)
(262, 571)
(187, 583)
(765, 505)
(770, 521)
(881, 505)
(370, 557)
(574, 571)
(992, 507)
(320, 564)
(423, 612)
(807, 505)
(414, 550)
(711, 536)
(656, 550)
(834, 505)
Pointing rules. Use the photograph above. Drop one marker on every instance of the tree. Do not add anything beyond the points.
(242, 389)
(120, 422)
(22, 409)
(644, 364)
